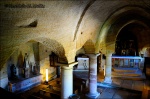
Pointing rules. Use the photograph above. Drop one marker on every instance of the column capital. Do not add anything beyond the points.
(67, 66)
(108, 54)
(93, 55)
(73, 63)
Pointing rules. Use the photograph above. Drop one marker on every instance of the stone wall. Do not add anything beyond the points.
(17, 58)
(44, 53)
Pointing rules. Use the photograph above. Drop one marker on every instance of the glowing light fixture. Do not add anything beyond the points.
(46, 75)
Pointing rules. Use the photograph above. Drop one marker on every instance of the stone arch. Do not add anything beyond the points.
(147, 52)
(89, 47)
(81, 17)
(6, 54)
(54, 46)
(118, 20)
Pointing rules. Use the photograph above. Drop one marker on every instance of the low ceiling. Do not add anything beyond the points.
(70, 23)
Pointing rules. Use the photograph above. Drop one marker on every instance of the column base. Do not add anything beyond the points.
(107, 80)
(92, 96)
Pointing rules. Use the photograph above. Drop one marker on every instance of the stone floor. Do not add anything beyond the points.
(119, 89)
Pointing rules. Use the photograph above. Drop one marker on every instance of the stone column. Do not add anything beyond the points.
(67, 80)
(108, 67)
(92, 77)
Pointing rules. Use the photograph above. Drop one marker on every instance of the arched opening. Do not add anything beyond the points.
(28, 64)
(126, 42)
(117, 22)
(121, 35)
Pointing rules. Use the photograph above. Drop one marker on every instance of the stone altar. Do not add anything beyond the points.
(126, 61)
(18, 86)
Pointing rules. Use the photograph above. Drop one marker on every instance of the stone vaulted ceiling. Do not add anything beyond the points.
(71, 23)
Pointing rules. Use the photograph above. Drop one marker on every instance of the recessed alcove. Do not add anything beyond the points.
(127, 47)
(126, 41)
(23, 68)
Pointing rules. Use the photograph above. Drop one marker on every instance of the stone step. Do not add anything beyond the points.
(129, 74)
(124, 69)
(142, 77)
(139, 78)
(125, 74)
(109, 91)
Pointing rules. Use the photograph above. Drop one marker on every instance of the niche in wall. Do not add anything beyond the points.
(22, 62)
(126, 42)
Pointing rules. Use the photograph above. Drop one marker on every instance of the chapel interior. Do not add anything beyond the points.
(75, 49)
